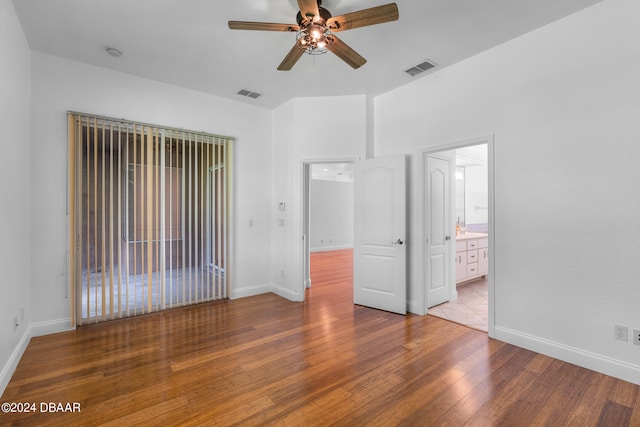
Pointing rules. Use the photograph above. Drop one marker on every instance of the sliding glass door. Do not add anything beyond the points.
(150, 217)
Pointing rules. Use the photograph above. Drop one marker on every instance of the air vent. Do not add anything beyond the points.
(248, 93)
(413, 71)
(417, 69)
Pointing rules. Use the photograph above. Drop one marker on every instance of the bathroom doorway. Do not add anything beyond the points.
(468, 244)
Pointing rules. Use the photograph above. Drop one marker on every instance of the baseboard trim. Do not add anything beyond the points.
(51, 327)
(330, 248)
(414, 308)
(36, 329)
(249, 291)
(10, 367)
(576, 356)
(286, 293)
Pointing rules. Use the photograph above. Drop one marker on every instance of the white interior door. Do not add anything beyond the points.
(438, 229)
(379, 276)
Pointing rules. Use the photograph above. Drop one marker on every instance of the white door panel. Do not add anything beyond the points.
(438, 226)
(379, 234)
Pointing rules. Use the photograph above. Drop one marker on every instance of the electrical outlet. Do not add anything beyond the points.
(636, 337)
(621, 333)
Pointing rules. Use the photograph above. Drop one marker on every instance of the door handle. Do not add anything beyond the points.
(447, 237)
(397, 242)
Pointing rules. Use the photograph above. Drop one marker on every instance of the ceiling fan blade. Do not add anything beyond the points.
(309, 8)
(365, 17)
(292, 57)
(344, 52)
(261, 26)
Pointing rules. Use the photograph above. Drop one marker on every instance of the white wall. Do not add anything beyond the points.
(15, 185)
(341, 135)
(331, 215)
(59, 85)
(563, 103)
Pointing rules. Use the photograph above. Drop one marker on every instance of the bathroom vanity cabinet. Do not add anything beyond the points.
(472, 256)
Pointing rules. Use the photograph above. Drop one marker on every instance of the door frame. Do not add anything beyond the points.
(302, 256)
(488, 139)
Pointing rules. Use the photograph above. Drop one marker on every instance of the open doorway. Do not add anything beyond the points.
(468, 299)
(328, 221)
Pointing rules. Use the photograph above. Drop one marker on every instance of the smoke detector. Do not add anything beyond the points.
(116, 53)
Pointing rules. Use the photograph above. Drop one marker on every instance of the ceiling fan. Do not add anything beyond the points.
(315, 28)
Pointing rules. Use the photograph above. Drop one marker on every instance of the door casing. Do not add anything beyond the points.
(421, 250)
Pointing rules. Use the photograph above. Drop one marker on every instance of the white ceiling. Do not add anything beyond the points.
(187, 42)
(472, 156)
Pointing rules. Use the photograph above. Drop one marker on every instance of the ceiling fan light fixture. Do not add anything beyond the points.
(314, 39)
(314, 30)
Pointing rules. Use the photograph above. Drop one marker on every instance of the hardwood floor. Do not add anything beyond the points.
(266, 361)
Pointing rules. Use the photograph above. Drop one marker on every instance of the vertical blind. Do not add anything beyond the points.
(150, 214)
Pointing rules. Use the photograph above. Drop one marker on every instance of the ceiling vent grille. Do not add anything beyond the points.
(422, 67)
(248, 93)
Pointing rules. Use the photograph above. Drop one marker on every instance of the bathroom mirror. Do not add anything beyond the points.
(460, 206)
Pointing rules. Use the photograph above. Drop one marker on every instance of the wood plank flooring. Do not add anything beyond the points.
(266, 361)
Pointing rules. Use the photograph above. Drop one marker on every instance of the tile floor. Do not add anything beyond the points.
(471, 307)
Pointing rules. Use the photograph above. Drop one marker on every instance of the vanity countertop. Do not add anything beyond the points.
(467, 236)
